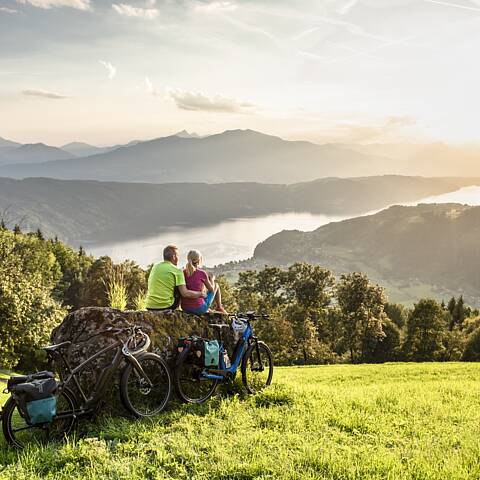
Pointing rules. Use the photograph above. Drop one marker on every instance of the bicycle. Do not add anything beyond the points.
(196, 384)
(145, 387)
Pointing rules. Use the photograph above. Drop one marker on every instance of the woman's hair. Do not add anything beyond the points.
(194, 259)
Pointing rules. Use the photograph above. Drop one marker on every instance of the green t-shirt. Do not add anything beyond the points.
(163, 279)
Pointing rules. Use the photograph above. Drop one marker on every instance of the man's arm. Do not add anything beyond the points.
(186, 293)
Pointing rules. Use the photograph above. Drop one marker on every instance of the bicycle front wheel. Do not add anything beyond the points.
(146, 394)
(257, 367)
(19, 433)
(190, 385)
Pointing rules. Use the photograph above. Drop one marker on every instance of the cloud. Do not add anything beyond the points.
(149, 88)
(216, 6)
(385, 130)
(347, 6)
(136, 12)
(454, 5)
(112, 71)
(47, 4)
(8, 10)
(201, 102)
(44, 94)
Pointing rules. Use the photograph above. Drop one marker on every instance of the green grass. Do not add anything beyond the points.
(394, 421)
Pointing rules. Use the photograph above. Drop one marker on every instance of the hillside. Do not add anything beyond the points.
(232, 156)
(431, 245)
(90, 211)
(349, 422)
(32, 154)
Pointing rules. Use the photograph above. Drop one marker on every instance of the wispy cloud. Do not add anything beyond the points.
(357, 53)
(216, 7)
(44, 94)
(47, 4)
(136, 12)
(383, 130)
(195, 101)
(454, 5)
(346, 7)
(111, 70)
(8, 10)
(150, 89)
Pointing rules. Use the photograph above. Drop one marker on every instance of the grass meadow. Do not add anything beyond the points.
(393, 421)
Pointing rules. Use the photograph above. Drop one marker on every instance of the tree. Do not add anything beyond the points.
(458, 315)
(397, 313)
(309, 291)
(425, 332)
(472, 347)
(362, 317)
(28, 313)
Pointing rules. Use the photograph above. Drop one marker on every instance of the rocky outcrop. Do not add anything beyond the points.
(83, 328)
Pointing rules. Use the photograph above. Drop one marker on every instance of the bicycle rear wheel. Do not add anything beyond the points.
(137, 396)
(19, 433)
(257, 367)
(190, 385)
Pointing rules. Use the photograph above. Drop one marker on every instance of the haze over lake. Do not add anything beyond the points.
(236, 239)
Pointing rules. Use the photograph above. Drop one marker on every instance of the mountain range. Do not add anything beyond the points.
(235, 155)
(232, 156)
(84, 212)
(424, 250)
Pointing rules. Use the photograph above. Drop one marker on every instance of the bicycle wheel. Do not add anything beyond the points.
(190, 385)
(137, 396)
(257, 368)
(19, 433)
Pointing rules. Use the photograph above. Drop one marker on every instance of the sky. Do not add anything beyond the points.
(363, 71)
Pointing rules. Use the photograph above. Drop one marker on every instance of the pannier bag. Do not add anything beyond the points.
(35, 396)
(203, 352)
(212, 353)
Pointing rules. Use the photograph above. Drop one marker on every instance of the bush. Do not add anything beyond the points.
(472, 348)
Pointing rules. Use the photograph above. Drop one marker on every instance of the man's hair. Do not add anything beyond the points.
(169, 251)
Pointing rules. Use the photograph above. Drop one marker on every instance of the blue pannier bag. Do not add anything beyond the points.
(212, 353)
(35, 396)
(43, 410)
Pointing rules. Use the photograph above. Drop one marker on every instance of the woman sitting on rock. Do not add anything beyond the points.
(198, 280)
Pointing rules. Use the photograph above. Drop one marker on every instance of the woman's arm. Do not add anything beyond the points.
(209, 284)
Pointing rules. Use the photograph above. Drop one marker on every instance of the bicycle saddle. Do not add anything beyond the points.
(58, 346)
(219, 325)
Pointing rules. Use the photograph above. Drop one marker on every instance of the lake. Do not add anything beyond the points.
(236, 239)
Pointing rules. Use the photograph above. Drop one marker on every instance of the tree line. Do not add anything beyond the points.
(314, 317)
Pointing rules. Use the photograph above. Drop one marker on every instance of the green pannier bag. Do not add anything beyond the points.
(212, 353)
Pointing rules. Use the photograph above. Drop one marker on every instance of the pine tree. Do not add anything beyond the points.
(16, 229)
(459, 313)
(3, 225)
(39, 234)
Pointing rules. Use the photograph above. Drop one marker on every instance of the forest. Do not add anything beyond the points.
(315, 317)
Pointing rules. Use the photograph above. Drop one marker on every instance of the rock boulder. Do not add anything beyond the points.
(82, 327)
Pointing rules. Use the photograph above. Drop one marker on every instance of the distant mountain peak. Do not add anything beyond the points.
(186, 134)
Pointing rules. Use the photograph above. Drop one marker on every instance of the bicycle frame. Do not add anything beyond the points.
(222, 372)
(106, 374)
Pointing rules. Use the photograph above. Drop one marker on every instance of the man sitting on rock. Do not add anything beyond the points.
(166, 283)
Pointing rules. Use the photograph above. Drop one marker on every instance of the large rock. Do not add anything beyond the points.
(82, 327)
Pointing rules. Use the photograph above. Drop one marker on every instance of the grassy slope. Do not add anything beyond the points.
(340, 422)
